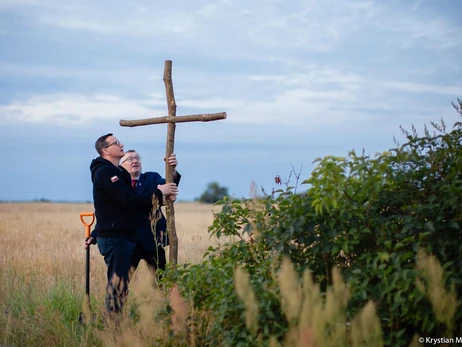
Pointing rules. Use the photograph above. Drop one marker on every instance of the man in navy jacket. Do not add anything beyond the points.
(117, 206)
(148, 247)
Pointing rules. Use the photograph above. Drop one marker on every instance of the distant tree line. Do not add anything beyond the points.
(213, 193)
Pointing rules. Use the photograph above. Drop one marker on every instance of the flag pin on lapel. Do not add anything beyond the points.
(114, 179)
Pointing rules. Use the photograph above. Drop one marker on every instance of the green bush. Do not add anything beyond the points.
(370, 217)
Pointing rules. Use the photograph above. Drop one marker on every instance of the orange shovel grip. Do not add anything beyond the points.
(87, 225)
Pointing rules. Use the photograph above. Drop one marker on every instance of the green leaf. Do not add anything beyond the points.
(424, 235)
(408, 240)
(429, 226)
(407, 256)
(406, 228)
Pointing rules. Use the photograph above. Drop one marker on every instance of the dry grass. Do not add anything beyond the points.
(315, 319)
(41, 249)
(50, 235)
(46, 238)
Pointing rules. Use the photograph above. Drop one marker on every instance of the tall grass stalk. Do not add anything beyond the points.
(431, 283)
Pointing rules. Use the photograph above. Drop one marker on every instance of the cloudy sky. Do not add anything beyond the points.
(298, 80)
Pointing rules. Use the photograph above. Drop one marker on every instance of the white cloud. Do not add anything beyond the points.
(70, 109)
(6, 4)
(321, 97)
(433, 34)
(411, 87)
(210, 104)
(293, 107)
(309, 25)
(288, 83)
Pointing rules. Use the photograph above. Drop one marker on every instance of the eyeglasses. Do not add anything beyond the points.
(117, 143)
(130, 159)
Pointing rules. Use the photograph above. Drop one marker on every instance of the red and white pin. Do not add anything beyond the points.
(114, 179)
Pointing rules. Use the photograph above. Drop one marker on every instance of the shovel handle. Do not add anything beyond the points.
(87, 225)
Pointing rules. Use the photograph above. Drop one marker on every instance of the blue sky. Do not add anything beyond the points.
(298, 80)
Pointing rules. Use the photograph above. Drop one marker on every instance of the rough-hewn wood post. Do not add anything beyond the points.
(169, 208)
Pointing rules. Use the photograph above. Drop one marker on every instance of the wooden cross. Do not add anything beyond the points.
(171, 119)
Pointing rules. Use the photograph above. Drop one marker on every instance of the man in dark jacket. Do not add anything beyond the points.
(148, 247)
(116, 207)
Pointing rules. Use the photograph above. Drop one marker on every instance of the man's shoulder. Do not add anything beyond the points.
(151, 178)
(151, 175)
(109, 171)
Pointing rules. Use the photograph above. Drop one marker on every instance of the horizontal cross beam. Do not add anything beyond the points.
(176, 119)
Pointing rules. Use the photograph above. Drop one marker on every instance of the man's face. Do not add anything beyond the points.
(132, 163)
(114, 148)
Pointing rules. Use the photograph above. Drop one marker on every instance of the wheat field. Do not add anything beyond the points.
(46, 238)
(42, 257)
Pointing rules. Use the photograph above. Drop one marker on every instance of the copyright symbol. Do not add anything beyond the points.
(421, 340)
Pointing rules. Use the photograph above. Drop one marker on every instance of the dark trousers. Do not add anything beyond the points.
(155, 260)
(117, 253)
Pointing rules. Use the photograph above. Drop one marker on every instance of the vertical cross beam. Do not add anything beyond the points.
(171, 121)
(170, 147)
